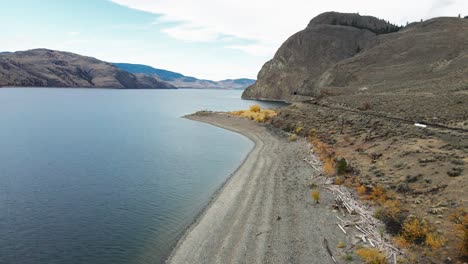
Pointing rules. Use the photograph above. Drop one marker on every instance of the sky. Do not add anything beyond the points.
(210, 39)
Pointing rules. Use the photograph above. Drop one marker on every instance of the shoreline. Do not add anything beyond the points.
(214, 196)
(263, 212)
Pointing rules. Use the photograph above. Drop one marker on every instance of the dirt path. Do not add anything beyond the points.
(264, 213)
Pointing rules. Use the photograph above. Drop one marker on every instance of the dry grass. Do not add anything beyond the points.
(401, 242)
(415, 230)
(298, 129)
(371, 256)
(392, 208)
(339, 180)
(434, 240)
(326, 153)
(361, 189)
(256, 113)
(460, 218)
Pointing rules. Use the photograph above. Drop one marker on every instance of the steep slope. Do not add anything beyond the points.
(310, 52)
(347, 50)
(419, 73)
(428, 53)
(182, 81)
(49, 68)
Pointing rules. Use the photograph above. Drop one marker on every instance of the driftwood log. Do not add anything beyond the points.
(362, 221)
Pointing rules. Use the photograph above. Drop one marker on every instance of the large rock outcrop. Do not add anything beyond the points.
(49, 68)
(345, 55)
(309, 53)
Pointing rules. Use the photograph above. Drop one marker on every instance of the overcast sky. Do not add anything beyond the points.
(213, 39)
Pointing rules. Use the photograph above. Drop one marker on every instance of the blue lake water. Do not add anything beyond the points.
(108, 176)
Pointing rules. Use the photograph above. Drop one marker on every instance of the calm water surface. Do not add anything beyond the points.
(107, 176)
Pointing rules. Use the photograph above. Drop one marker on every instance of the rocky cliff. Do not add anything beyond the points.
(349, 59)
(49, 68)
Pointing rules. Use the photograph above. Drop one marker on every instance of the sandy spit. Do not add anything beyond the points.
(264, 212)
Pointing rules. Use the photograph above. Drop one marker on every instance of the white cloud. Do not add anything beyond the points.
(260, 50)
(190, 33)
(73, 33)
(268, 23)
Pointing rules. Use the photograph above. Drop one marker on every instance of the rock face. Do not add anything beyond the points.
(49, 68)
(347, 55)
(182, 81)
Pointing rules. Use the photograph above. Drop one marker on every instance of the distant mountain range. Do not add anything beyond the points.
(182, 81)
(51, 68)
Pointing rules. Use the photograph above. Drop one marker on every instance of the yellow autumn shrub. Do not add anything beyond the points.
(316, 196)
(371, 256)
(256, 113)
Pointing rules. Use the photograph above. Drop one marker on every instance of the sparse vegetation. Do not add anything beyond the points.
(362, 189)
(341, 166)
(326, 153)
(371, 256)
(460, 218)
(341, 244)
(415, 230)
(256, 113)
(401, 242)
(434, 240)
(292, 137)
(339, 180)
(298, 130)
(348, 257)
(365, 106)
(316, 196)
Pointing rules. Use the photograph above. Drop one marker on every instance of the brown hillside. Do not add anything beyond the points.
(49, 68)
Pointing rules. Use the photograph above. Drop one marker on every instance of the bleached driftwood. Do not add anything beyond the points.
(363, 222)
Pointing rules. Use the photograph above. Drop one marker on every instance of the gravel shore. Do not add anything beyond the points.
(264, 213)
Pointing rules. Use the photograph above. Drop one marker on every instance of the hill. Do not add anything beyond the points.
(50, 68)
(182, 81)
(388, 106)
(417, 72)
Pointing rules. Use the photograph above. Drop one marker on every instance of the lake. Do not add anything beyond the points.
(108, 176)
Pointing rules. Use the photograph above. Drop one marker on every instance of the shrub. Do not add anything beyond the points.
(460, 218)
(292, 137)
(316, 196)
(361, 189)
(298, 130)
(378, 194)
(326, 154)
(341, 166)
(256, 113)
(348, 257)
(434, 240)
(365, 106)
(401, 242)
(341, 244)
(328, 167)
(260, 117)
(415, 230)
(339, 181)
(255, 108)
(392, 209)
(371, 256)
